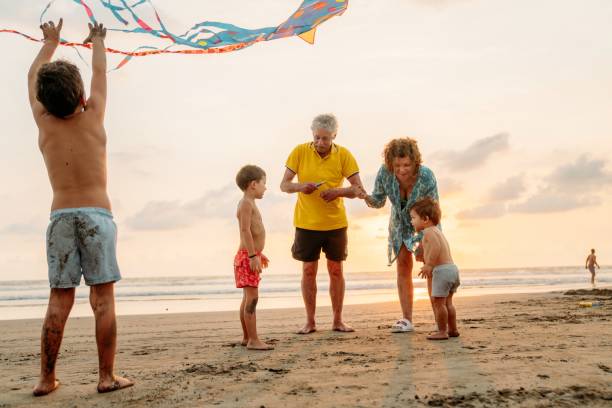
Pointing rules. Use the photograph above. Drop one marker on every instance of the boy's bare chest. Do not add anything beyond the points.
(256, 219)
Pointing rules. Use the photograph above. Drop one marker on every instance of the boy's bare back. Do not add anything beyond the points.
(74, 147)
(74, 151)
(249, 217)
(436, 248)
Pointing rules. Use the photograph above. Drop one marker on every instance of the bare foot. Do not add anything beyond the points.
(118, 383)
(244, 342)
(342, 328)
(453, 334)
(259, 345)
(438, 336)
(307, 329)
(45, 388)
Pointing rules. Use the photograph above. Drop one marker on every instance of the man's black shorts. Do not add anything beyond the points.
(308, 244)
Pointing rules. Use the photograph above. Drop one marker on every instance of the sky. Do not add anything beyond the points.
(509, 100)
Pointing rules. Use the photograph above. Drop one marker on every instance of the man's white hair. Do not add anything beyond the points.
(326, 121)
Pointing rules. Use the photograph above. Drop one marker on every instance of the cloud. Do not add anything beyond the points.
(168, 215)
(220, 204)
(508, 190)
(448, 186)
(486, 211)
(568, 187)
(137, 159)
(584, 175)
(160, 215)
(547, 201)
(475, 155)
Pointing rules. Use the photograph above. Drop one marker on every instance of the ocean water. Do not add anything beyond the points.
(28, 299)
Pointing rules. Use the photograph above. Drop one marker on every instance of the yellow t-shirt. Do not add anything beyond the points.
(311, 211)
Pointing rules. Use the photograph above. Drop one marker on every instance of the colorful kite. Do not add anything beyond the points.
(208, 37)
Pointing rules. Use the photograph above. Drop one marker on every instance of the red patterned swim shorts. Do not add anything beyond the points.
(242, 269)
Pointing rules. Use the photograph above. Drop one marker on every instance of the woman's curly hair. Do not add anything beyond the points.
(402, 147)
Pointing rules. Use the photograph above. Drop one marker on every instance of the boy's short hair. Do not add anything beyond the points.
(59, 87)
(428, 207)
(247, 174)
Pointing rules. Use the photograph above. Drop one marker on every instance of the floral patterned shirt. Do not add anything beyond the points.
(401, 230)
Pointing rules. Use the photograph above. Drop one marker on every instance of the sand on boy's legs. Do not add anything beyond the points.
(251, 297)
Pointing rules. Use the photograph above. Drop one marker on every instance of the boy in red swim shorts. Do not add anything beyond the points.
(249, 260)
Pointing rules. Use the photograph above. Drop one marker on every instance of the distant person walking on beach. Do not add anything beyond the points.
(320, 218)
(81, 237)
(249, 261)
(438, 267)
(403, 179)
(590, 263)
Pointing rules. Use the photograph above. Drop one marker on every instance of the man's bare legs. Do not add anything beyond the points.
(405, 287)
(309, 294)
(441, 313)
(245, 334)
(452, 317)
(60, 304)
(336, 292)
(102, 301)
(251, 297)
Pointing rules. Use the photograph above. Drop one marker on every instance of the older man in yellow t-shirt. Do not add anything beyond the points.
(320, 219)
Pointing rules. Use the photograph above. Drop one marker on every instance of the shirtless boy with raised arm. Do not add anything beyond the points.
(81, 237)
(249, 261)
(439, 267)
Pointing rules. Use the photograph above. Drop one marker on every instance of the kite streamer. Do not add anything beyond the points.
(208, 37)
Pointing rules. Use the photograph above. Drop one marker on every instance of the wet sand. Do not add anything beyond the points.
(528, 350)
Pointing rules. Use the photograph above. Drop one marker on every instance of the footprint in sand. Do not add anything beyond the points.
(605, 368)
(278, 370)
(544, 376)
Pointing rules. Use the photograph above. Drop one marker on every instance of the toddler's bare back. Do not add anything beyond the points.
(437, 239)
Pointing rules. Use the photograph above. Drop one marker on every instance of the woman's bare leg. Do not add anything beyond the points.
(405, 287)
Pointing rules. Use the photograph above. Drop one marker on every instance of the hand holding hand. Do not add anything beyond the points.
(51, 33)
(361, 193)
(96, 31)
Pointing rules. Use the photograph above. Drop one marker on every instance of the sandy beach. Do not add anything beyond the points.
(526, 349)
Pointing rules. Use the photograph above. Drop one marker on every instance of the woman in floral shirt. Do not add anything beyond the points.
(403, 180)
